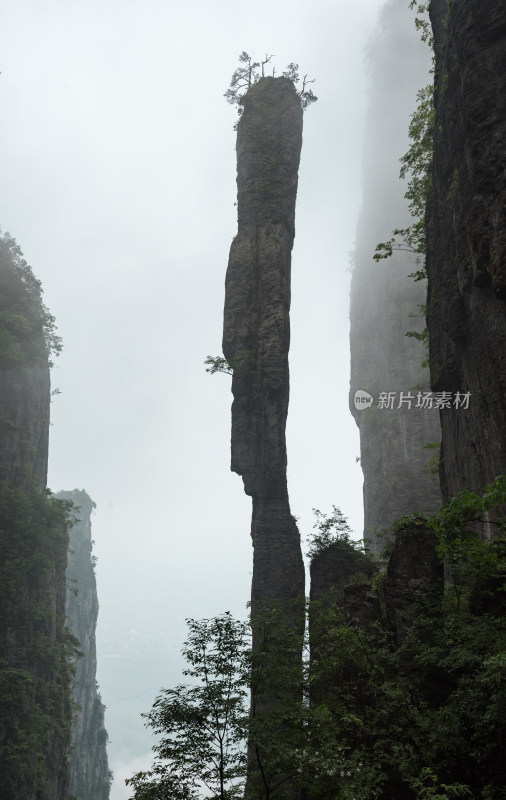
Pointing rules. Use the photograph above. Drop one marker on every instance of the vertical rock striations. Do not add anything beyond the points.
(414, 571)
(35, 705)
(256, 334)
(24, 377)
(466, 239)
(383, 296)
(89, 769)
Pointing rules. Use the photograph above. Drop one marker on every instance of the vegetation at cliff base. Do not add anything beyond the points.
(371, 719)
(35, 655)
(203, 725)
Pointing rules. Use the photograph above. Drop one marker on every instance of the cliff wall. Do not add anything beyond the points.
(89, 769)
(466, 239)
(35, 707)
(383, 296)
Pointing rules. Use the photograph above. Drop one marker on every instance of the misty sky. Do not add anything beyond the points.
(118, 174)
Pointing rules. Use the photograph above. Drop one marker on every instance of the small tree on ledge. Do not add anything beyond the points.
(249, 72)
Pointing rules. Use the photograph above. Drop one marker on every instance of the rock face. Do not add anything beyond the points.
(340, 579)
(35, 708)
(89, 771)
(383, 358)
(24, 382)
(466, 239)
(256, 335)
(413, 571)
(334, 568)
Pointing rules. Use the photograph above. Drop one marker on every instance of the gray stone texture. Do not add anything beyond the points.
(383, 296)
(466, 239)
(24, 437)
(24, 384)
(414, 571)
(89, 769)
(256, 335)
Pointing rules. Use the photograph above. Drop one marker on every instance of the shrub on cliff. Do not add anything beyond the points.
(249, 72)
(23, 314)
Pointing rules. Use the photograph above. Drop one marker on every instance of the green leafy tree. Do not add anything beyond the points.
(330, 528)
(363, 718)
(416, 168)
(426, 719)
(203, 725)
(277, 727)
(240, 722)
(22, 310)
(215, 364)
(249, 72)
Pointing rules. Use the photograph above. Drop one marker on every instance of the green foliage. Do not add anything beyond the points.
(208, 727)
(218, 364)
(362, 718)
(27, 329)
(433, 465)
(277, 724)
(426, 719)
(416, 167)
(427, 787)
(422, 22)
(249, 72)
(473, 563)
(244, 363)
(35, 654)
(203, 725)
(329, 529)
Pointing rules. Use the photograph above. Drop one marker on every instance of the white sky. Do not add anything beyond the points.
(118, 175)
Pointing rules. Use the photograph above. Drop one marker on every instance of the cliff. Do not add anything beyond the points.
(24, 376)
(89, 770)
(256, 335)
(383, 296)
(35, 705)
(466, 239)
(406, 665)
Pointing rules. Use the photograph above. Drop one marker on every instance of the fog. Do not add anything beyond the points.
(118, 170)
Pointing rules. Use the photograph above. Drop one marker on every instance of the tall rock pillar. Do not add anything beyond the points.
(89, 770)
(466, 239)
(256, 335)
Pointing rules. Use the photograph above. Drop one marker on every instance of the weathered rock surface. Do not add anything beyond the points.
(24, 383)
(256, 336)
(35, 708)
(362, 603)
(89, 769)
(333, 569)
(414, 571)
(383, 296)
(340, 576)
(466, 239)
(340, 593)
